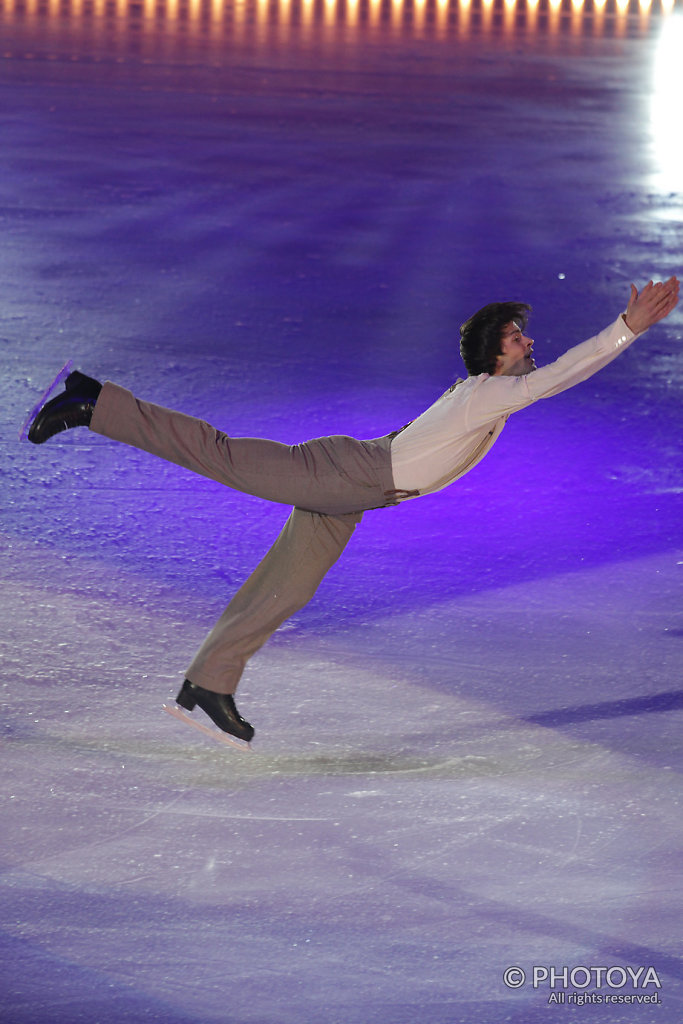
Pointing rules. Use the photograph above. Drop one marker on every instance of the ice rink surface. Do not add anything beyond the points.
(468, 754)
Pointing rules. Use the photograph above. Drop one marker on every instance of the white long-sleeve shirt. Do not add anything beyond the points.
(457, 431)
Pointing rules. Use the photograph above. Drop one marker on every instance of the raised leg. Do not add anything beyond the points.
(331, 475)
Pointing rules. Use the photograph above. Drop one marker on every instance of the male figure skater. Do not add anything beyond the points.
(332, 481)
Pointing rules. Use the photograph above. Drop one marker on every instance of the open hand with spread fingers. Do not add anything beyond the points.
(652, 304)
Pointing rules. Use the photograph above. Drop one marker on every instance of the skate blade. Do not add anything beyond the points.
(59, 379)
(215, 734)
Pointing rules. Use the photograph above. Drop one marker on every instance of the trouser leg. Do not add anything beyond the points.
(330, 481)
(284, 581)
(331, 475)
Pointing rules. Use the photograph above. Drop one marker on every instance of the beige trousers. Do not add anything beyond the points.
(330, 481)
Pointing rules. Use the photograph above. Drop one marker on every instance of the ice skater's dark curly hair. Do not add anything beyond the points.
(480, 336)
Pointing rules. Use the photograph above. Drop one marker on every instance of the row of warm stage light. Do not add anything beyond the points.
(156, 14)
(216, 9)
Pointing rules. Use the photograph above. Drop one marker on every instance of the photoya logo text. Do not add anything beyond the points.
(583, 977)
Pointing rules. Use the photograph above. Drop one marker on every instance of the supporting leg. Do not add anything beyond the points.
(284, 581)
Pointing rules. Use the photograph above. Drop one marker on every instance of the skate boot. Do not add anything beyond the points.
(220, 707)
(72, 408)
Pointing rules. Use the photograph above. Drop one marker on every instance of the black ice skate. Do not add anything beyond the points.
(72, 408)
(220, 707)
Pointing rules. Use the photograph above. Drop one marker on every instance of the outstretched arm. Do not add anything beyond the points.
(501, 395)
(651, 305)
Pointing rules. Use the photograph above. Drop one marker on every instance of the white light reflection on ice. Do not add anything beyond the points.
(665, 109)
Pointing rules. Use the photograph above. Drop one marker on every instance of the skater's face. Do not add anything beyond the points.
(516, 358)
